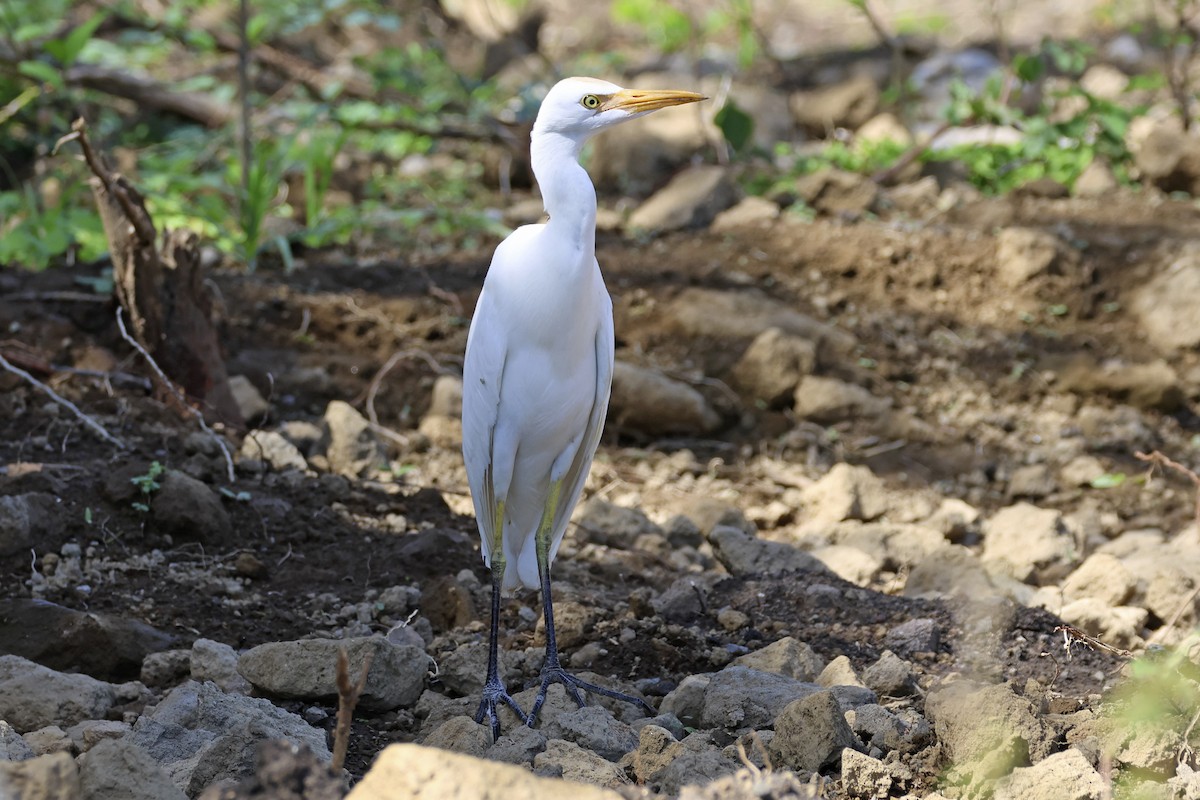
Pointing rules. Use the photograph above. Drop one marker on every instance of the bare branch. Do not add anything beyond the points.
(348, 695)
(1158, 459)
(96, 427)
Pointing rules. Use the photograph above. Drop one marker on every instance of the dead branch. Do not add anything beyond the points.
(96, 427)
(1158, 459)
(163, 289)
(1073, 636)
(148, 93)
(180, 399)
(348, 695)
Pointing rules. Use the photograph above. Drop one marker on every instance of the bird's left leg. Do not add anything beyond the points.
(494, 692)
(552, 670)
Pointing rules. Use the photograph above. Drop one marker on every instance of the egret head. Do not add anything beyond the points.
(580, 107)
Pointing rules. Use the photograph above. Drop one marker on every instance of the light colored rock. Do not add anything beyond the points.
(917, 197)
(1096, 180)
(774, 364)
(846, 492)
(811, 734)
(699, 766)
(836, 192)
(987, 730)
(87, 734)
(424, 773)
(518, 745)
(595, 729)
(1166, 304)
(1081, 471)
(217, 662)
(1025, 253)
(691, 199)
(650, 402)
(839, 672)
(829, 400)
(272, 448)
(686, 701)
(461, 734)
(605, 523)
(883, 127)
(1032, 481)
(115, 769)
(1024, 542)
(49, 739)
(788, 657)
(1153, 384)
(904, 730)
(950, 571)
(849, 563)
(250, 402)
(307, 669)
(351, 448)
(742, 554)
(1120, 626)
(33, 696)
(848, 104)
(1063, 776)
(446, 397)
(1164, 153)
(49, 777)
(200, 735)
(750, 212)
(1103, 577)
(865, 777)
(579, 765)
(739, 697)
(745, 314)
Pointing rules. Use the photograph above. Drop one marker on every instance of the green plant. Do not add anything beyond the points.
(147, 484)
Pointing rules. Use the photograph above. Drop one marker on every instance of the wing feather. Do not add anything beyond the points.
(483, 371)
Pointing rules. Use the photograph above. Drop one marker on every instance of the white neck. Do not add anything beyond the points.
(567, 192)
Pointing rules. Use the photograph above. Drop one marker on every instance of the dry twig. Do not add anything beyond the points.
(96, 427)
(179, 398)
(348, 695)
(1158, 459)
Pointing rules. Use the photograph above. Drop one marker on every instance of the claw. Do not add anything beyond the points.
(493, 695)
(556, 674)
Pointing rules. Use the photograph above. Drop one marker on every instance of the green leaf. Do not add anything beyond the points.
(1028, 68)
(736, 125)
(1108, 480)
(41, 72)
(68, 48)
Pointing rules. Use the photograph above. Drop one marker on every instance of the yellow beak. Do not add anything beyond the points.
(637, 101)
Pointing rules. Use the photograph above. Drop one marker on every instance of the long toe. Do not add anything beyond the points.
(493, 697)
(575, 686)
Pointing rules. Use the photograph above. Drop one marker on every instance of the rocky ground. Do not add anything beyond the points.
(868, 520)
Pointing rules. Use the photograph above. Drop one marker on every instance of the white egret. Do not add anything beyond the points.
(538, 370)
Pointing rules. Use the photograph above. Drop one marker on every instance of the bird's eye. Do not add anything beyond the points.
(590, 101)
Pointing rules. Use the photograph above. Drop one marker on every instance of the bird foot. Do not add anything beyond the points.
(573, 685)
(494, 694)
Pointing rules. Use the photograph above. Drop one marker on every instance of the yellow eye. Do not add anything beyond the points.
(590, 101)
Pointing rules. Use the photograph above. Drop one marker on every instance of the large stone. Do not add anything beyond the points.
(691, 199)
(12, 746)
(187, 509)
(424, 773)
(201, 735)
(578, 765)
(718, 314)
(33, 696)
(116, 769)
(1152, 385)
(750, 212)
(602, 522)
(351, 447)
(1063, 776)
(950, 570)
(272, 448)
(834, 191)
(774, 364)
(1025, 253)
(1102, 576)
(1165, 154)
(48, 777)
(28, 520)
(1027, 543)
(742, 554)
(987, 730)
(740, 697)
(1166, 304)
(829, 400)
(100, 645)
(846, 492)
(811, 733)
(865, 777)
(1120, 626)
(250, 402)
(788, 657)
(307, 670)
(650, 402)
(848, 104)
(214, 661)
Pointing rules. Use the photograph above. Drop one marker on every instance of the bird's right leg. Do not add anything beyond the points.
(494, 692)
